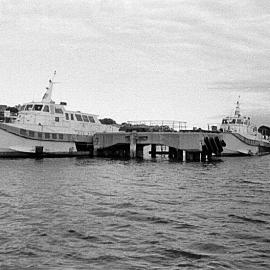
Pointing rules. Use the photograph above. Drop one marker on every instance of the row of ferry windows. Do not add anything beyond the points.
(81, 118)
(38, 107)
(234, 121)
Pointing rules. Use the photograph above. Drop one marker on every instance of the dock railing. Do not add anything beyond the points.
(162, 125)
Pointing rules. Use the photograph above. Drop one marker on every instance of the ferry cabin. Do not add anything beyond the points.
(238, 124)
(45, 115)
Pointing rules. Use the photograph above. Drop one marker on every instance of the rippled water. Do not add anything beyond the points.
(107, 214)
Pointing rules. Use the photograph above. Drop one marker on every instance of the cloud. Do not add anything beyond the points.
(198, 51)
(242, 86)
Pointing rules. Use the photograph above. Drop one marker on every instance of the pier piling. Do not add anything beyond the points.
(153, 150)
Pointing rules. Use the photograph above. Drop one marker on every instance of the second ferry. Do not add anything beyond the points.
(241, 136)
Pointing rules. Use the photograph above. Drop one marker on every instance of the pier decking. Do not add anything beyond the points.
(194, 146)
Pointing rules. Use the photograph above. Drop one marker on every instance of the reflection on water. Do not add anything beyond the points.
(109, 214)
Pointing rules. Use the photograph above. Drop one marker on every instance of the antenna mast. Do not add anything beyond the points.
(48, 95)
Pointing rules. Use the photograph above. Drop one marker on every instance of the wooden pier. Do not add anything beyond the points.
(183, 145)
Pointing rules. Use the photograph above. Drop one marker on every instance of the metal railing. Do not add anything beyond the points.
(161, 124)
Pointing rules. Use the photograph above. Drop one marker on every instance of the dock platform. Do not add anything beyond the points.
(183, 145)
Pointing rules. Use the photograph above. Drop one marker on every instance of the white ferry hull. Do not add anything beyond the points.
(236, 147)
(12, 145)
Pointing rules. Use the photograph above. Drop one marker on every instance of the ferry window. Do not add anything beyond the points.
(71, 116)
(22, 131)
(239, 121)
(58, 110)
(46, 108)
(56, 119)
(232, 121)
(224, 121)
(29, 107)
(31, 133)
(37, 107)
(23, 107)
(78, 117)
(91, 119)
(54, 136)
(47, 135)
(61, 136)
(85, 118)
(67, 116)
(40, 135)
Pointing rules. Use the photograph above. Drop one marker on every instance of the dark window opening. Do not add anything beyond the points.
(71, 116)
(28, 107)
(38, 107)
(47, 135)
(78, 117)
(61, 136)
(54, 136)
(58, 110)
(91, 119)
(85, 118)
(22, 131)
(67, 116)
(40, 135)
(56, 119)
(46, 108)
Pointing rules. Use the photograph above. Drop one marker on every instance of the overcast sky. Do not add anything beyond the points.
(183, 60)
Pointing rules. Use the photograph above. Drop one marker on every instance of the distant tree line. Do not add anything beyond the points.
(107, 121)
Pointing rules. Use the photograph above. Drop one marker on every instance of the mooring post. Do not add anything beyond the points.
(132, 146)
(153, 150)
(39, 151)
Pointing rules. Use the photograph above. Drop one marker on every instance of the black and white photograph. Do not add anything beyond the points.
(134, 134)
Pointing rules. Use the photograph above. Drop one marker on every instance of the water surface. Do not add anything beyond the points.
(83, 213)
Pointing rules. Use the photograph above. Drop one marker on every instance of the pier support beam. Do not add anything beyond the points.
(175, 154)
(203, 156)
(196, 156)
(139, 151)
(132, 146)
(180, 155)
(172, 153)
(189, 156)
(153, 150)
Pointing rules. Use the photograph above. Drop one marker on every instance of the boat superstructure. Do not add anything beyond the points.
(241, 136)
(51, 128)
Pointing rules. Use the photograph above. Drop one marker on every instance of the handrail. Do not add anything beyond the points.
(250, 141)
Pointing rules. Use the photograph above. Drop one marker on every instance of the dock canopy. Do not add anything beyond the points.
(264, 130)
